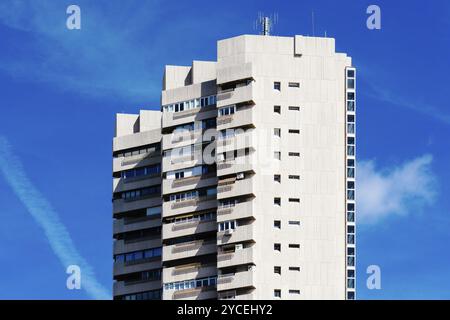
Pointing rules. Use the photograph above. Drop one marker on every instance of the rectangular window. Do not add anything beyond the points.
(351, 83)
(277, 224)
(294, 85)
(294, 268)
(294, 222)
(350, 216)
(296, 200)
(277, 293)
(294, 291)
(277, 155)
(294, 154)
(225, 111)
(350, 273)
(294, 177)
(294, 131)
(294, 246)
(277, 270)
(277, 132)
(350, 73)
(294, 108)
(277, 201)
(277, 247)
(277, 178)
(277, 109)
(277, 85)
(350, 105)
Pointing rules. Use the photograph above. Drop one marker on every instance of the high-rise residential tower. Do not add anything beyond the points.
(246, 185)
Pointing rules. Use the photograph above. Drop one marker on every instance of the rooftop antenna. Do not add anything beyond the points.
(265, 23)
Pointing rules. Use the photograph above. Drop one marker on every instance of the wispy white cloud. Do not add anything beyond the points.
(399, 190)
(47, 218)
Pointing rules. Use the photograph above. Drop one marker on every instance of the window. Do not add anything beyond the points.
(350, 216)
(293, 108)
(351, 295)
(277, 132)
(294, 222)
(350, 229)
(277, 201)
(294, 154)
(294, 246)
(190, 284)
(294, 85)
(351, 251)
(351, 140)
(350, 73)
(351, 83)
(294, 268)
(294, 177)
(277, 178)
(296, 200)
(277, 293)
(350, 172)
(154, 211)
(350, 273)
(277, 109)
(227, 225)
(294, 291)
(277, 247)
(350, 118)
(277, 270)
(277, 85)
(350, 206)
(351, 239)
(350, 105)
(350, 283)
(351, 162)
(350, 96)
(225, 111)
(277, 224)
(294, 131)
(277, 155)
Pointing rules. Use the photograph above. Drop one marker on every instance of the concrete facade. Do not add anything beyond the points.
(257, 154)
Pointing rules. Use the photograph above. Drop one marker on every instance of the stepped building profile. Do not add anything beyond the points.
(242, 184)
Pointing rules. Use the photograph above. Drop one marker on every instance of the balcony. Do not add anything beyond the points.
(172, 208)
(238, 211)
(171, 163)
(189, 183)
(141, 160)
(189, 249)
(238, 257)
(123, 246)
(240, 234)
(127, 224)
(238, 164)
(240, 140)
(121, 268)
(191, 294)
(123, 288)
(171, 119)
(189, 271)
(242, 117)
(226, 296)
(232, 188)
(179, 229)
(120, 184)
(238, 95)
(235, 280)
(122, 205)
(181, 139)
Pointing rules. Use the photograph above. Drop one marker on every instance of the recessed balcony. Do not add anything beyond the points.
(238, 95)
(189, 271)
(238, 164)
(238, 257)
(242, 117)
(238, 139)
(231, 187)
(189, 249)
(202, 293)
(195, 182)
(122, 267)
(123, 246)
(122, 205)
(240, 234)
(180, 229)
(141, 160)
(123, 288)
(172, 208)
(238, 211)
(235, 280)
(126, 224)
(171, 119)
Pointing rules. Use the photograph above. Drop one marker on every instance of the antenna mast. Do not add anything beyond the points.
(266, 23)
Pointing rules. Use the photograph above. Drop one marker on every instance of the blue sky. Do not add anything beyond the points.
(60, 90)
